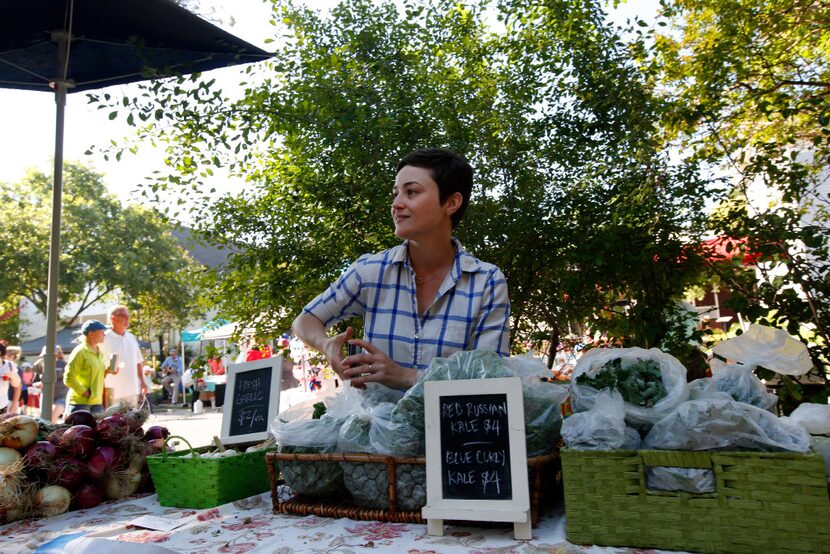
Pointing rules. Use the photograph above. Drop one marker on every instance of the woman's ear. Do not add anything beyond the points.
(453, 202)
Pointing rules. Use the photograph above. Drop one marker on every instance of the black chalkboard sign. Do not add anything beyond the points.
(249, 411)
(251, 400)
(475, 447)
(476, 455)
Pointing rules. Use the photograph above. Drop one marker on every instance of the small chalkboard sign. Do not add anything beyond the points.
(252, 398)
(476, 453)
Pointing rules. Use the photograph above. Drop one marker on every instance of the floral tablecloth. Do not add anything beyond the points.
(250, 526)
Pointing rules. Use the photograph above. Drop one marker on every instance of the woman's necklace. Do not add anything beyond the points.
(420, 280)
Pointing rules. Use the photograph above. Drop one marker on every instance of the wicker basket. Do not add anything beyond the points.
(763, 502)
(196, 482)
(393, 468)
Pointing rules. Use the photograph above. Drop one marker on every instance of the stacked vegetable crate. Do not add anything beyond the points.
(763, 502)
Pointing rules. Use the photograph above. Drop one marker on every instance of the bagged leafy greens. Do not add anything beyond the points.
(717, 424)
(686, 479)
(651, 382)
(310, 436)
(600, 428)
(740, 384)
(372, 431)
(542, 400)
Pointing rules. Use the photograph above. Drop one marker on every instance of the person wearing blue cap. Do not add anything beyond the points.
(85, 370)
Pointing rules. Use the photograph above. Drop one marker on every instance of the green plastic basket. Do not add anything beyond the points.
(763, 502)
(196, 482)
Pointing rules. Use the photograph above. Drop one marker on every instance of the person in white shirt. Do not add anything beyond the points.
(8, 377)
(127, 385)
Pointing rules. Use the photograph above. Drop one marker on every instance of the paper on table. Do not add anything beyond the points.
(157, 523)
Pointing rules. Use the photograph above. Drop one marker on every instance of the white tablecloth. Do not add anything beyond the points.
(249, 526)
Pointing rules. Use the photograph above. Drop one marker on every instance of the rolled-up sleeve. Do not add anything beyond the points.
(493, 329)
(341, 300)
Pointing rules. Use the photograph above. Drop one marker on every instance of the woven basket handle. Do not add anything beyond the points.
(164, 450)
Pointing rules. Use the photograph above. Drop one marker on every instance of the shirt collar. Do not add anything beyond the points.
(466, 261)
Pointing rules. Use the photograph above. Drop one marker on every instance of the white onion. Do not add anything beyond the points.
(12, 483)
(8, 456)
(18, 432)
(118, 484)
(52, 500)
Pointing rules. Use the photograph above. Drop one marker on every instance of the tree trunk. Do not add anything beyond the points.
(554, 342)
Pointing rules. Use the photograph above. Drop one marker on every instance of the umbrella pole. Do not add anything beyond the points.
(48, 394)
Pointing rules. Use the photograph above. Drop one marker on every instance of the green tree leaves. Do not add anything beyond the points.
(104, 247)
(575, 197)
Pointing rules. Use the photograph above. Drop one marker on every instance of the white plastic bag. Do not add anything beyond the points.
(815, 418)
(740, 384)
(671, 370)
(767, 347)
(716, 424)
(600, 428)
(198, 407)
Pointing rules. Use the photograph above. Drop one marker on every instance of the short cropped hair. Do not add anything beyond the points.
(450, 171)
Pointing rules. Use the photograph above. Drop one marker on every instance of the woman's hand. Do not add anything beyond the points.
(373, 366)
(333, 350)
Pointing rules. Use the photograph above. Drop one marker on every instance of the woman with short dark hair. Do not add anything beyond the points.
(424, 298)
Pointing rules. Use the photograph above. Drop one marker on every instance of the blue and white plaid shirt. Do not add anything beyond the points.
(470, 311)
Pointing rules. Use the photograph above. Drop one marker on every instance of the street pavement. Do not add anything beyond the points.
(198, 429)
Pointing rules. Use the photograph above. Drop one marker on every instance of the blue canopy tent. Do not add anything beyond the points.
(196, 334)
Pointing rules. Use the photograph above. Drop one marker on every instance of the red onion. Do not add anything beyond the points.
(55, 436)
(113, 428)
(88, 496)
(40, 455)
(68, 473)
(81, 417)
(156, 432)
(101, 460)
(78, 441)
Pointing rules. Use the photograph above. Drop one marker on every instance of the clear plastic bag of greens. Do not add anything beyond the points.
(372, 431)
(741, 384)
(717, 424)
(675, 479)
(542, 400)
(600, 428)
(311, 436)
(651, 382)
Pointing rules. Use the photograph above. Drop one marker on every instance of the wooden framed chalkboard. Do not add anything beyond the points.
(476, 453)
(252, 399)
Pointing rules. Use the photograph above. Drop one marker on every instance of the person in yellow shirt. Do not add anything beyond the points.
(85, 370)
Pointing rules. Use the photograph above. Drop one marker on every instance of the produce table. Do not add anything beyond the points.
(250, 526)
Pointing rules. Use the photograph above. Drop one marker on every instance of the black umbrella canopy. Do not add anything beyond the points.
(113, 42)
(76, 45)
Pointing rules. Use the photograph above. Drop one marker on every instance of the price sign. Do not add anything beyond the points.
(476, 453)
(476, 448)
(252, 399)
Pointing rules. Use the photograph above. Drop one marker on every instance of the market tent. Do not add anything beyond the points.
(197, 334)
(76, 45)
(225, 332)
